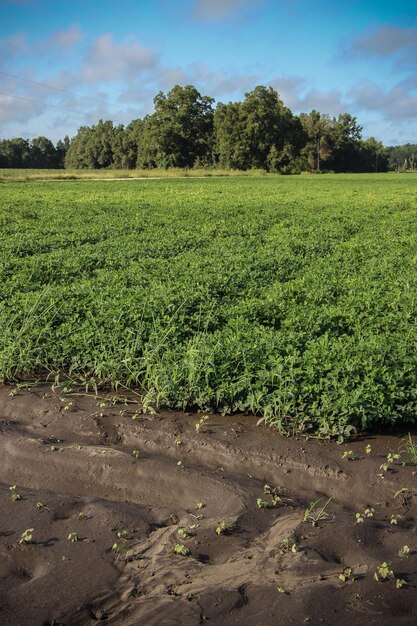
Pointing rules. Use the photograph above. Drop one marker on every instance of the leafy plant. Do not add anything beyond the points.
(404, 552)
(199, 426)
(15, 495)
(411, 449)
(368, 449)
(179, 549)
(316, 513)
(183, 533)
(384, 571)
(288, 545)
(346, 574)
(222, 527)
(27, 536)
(73, 537)
(349, 455)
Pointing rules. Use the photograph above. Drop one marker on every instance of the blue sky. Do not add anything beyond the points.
(64, 64)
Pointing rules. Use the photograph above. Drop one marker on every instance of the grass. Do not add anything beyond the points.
(19, 175)
(293, 298)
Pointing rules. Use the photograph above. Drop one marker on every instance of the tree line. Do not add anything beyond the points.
(186, 130)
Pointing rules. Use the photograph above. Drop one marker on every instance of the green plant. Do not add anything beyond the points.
(316, 513)
(179, 549)
(15, 495)
(183, 533)
(222, 527)
(119, 550)
(122, 534)
(401, 491)
(384, 571)
(200, 505)
(368, 449)
(411, 449)
(368, 512)
(27, 536)
(288, 545)
(199, 426)
(404, 552)
(82, 516)
(73, 537)
(394, 519)
(349, 455)
(136, 454)
(346, 574)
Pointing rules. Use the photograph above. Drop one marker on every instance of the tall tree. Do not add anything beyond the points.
(259, 132)
(318, 131)
(179, 133)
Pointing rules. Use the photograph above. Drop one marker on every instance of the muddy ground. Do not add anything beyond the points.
(123, 484)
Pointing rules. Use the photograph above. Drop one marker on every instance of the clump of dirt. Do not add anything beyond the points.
(167, 519)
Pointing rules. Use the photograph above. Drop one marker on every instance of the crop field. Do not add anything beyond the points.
(292, 298)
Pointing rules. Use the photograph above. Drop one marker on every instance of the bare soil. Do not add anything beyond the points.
(100, 468)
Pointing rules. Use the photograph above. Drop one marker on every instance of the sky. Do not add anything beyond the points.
(65, 64)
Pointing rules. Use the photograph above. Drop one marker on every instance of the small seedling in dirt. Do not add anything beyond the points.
(288, 545)
(272, 492)
(315, 513)
(183, 533)
(41, 507)
(400, 492)
(392, 456)
(53, 448)
(27, 536)
(411, 449)
(136, 453)
(222, 527)
(200, 505)
(199, 426)
(384, 467)
(384, 572)
(15, 495)
(65, 558)
(73, 537)
(119, 550)
(262, 504)
(400, 582)
(404, 552)
(282, 590)
(122, 534)
(178, 442)
(368, 449)
(82, 516)
(194, 526)
(369, 512)
(179, 463)
(179, 549)
(394, 519)
(346, 574)
(349, 455)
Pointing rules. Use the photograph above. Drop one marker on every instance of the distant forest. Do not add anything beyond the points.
(187, 130)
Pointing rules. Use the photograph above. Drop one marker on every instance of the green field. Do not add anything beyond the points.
(294, 298)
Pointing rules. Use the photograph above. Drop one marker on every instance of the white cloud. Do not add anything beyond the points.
(384, 41)
(107, 60)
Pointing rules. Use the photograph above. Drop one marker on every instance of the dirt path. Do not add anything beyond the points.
(99, 468)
